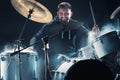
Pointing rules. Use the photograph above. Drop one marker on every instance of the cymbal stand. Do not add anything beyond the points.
(46, 58)
(118, 28)
(18, 42)
(118, 24)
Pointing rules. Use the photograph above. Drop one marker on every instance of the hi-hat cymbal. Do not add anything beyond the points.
(40, 13)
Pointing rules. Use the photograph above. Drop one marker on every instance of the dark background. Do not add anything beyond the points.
(11, 22)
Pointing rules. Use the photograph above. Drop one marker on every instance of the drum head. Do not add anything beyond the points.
(89, 70)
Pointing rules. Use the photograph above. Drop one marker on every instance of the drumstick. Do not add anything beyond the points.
(91, 9)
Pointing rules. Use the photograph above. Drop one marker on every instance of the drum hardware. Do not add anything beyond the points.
(117, 77)
(18, 42)
(34, 11)
(118, 28)
(47, 67)
(118, 24)
(117, 59)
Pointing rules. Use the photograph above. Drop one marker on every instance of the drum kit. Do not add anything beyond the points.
(9, 65)
(100, 47)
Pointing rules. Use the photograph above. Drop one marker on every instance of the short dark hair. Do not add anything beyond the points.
(65, 5)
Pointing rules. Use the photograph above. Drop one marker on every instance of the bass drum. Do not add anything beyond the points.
(63, 68)
(13, 69)
(89, 69)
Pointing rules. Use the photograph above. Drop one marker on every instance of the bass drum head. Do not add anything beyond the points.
(89, 70)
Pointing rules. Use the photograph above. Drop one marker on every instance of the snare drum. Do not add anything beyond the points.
(106, 44)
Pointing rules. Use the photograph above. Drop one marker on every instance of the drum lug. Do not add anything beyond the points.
(3, 58)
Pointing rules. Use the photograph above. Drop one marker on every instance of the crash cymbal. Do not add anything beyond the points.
(40, 13)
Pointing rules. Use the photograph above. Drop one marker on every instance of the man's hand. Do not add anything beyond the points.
(95, 29)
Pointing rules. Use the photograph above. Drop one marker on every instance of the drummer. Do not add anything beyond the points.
(64, 35)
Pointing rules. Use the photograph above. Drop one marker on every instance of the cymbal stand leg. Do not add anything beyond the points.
(18, 44)
(118, 28)
(46, 58)
(118, 24)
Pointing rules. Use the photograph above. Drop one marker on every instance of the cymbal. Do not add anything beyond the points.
(40, 13)
(116, 13)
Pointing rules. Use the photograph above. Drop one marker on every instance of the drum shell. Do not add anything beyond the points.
(91, 69)
(60, 72)
(82, 68)
(15, 67)
(87, 52)
(106, 44)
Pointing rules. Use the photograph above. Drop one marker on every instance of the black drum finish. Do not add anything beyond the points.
(89, 70)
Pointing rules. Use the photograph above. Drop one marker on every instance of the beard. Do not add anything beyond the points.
(64, 22)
